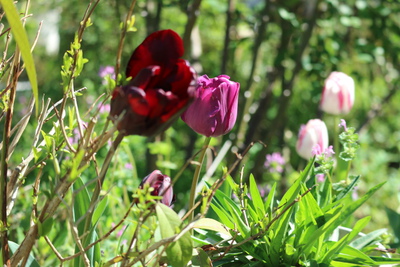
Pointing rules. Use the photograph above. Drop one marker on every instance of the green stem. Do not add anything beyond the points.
(336, 146)
(342, 166)
(196, 178)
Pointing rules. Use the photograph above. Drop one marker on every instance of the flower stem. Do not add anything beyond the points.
(196, 178)
(336, 146)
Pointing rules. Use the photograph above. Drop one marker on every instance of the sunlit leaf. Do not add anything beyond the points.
(179, 252)
(23, 43)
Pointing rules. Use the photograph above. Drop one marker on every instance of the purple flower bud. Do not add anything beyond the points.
(338, 94)
(162, 186)
(313, 139)
(214, 110)
(343, 124)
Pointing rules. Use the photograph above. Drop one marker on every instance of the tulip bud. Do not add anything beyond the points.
(338, 94)
(313, 134)
(162, 186)
(162, 86)
(214, 110)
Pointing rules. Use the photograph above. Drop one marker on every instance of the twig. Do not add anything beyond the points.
(122, 39)
(4, 162)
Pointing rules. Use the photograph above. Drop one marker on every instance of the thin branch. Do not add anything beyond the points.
(122, 39)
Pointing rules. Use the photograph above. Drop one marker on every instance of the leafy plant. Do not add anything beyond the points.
(295, 230)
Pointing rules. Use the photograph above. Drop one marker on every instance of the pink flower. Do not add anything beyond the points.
(128, 166)
(274, 162)
(313, 138)
(338, 94)
(343, 124)
(320, 177)
(107, 71)
(214, 110)
(104, 108)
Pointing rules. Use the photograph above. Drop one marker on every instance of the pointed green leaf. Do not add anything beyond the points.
(256, 197)
(339, 245)
(23, 43)
(367, 239)
(225, 218)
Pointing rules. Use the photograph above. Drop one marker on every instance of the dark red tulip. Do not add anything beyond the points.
(161, 185)
(162, 86)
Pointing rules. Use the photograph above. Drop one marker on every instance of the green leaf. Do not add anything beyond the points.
(81, 206)
(340, 216)
(294, 190)
(179, 252)
(256, 197)
(224, 216)
(350, 209)
(31, 262)
(367, 239)
(269, 203)
(100, 210)
(339, 245)
(237, 220)
(348, 189)
(211, 224)
(383, 260)
(47, 226)
(280, 228)
(201, 259)
(355, 254)
(21, 38)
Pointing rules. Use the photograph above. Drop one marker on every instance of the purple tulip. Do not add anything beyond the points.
(162, 186)
(311, 136)
(214, 110)
(338, 94)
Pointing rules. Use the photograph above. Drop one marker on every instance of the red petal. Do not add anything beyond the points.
(159, 48)
(178, 79)
(137, 101)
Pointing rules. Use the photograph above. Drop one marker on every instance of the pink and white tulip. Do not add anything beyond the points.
(338, 94)
(313, 134)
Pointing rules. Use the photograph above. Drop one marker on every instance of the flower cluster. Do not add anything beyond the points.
(337, 98)
(274, 162)
(162, 86)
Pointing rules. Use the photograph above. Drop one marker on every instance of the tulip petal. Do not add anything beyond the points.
(214, 111)
(159, 48)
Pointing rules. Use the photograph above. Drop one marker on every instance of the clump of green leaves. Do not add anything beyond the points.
(297, 230)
